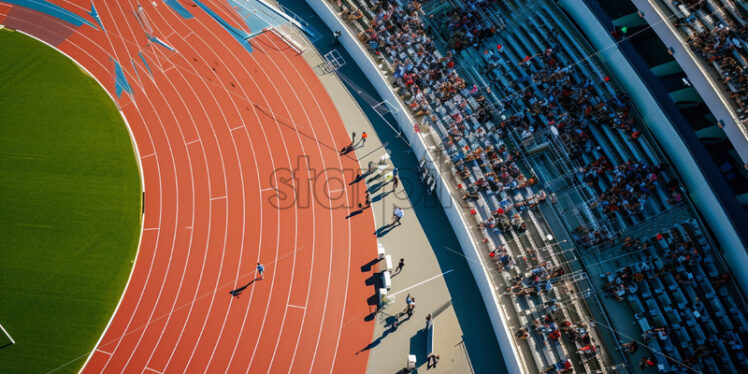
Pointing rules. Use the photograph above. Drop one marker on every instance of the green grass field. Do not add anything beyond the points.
(70, 216)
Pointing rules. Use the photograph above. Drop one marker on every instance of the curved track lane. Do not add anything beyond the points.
(217, 130)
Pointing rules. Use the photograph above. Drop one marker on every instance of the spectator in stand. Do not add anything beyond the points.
(631, 347)
(521, 334)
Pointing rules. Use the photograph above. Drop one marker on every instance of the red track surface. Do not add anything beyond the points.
(211, 125)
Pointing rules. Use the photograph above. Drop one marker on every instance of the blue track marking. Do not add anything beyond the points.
(135, 67)
(120, 82)
(178, 8)
(53, 10)
(159, 42)
(145, 63)
(95, 15)
(256, 16)
(240, 35)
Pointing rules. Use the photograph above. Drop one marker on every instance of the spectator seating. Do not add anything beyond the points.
(681, 303)
(511, 71)
(715, 31)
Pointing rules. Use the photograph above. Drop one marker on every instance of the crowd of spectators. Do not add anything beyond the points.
(631, 185)
(554, 95)
(676, 261)
(550, 329)
(719, 34)
(537, 281)
(419, 75)
(468, 25)
(432, 86)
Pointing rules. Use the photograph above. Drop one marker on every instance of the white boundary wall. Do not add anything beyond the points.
(469, 244)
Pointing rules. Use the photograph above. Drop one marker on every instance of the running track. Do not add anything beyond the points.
(211, 124)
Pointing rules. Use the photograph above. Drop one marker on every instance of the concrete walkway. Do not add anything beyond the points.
(435, 272)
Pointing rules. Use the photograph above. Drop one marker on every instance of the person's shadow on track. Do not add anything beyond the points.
(357, 212)
(238, 291)
(375, 187)
(346, 150)
(360, 177)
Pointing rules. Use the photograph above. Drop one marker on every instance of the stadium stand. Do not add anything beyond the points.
(682, 301)
(715, 30)
(527, 114)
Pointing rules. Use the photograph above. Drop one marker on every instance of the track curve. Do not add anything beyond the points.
(220, 131)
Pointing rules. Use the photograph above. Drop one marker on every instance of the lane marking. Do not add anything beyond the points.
(194, 141)
(422, 282)
(151, 228)
(217, 197)
(148, 155)
(268, 189)
(237, 128)
(296, 306)
(104, 352)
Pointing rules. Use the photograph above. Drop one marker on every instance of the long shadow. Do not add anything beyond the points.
(384, 230)
(346, 150)
(418, 346)
(360, 177)
(238, 291)
(380, 196)
(355, 213)
(373, 178)
(375, 187)
(8, 344)
(389, 322)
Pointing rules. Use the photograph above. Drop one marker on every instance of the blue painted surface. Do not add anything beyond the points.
(145, 63)
(95, 15)
(178, 8)
(120, 82)
(256, 16)
(135, 67)
(159, 42)
(52, 10)
(241, 36)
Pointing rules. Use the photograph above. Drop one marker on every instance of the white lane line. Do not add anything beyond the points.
(217, 197)
(268, 189)
(151, 228)
(237, 127)
(104, 352)
(422, 282)
(148, 155)
(153, 370)
(122, 297)
(194, 141)
(296, 306)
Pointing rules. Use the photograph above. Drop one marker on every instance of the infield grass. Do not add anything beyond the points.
(70, 218)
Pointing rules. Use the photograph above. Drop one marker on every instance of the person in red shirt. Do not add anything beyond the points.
(554, 335)
(364, 136)
(647, 362)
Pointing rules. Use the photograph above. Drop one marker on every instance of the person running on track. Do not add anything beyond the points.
(260, 271)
